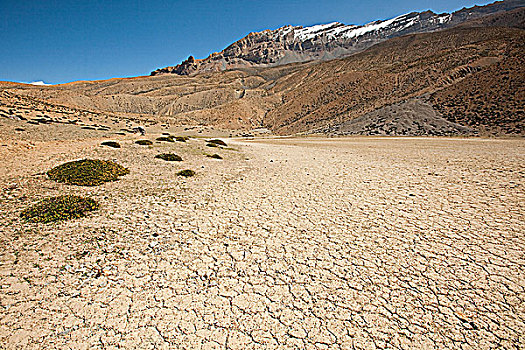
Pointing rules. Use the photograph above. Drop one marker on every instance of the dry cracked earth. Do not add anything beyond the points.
(355, 243)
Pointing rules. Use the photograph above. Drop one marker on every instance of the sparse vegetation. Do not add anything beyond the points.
(214, 156)
(166, 138)
(170, 157)
(211, 145)
(111, 144)
(217, 142)
(144, 142)
(186, 173)
(182, 138)
(59, 208)
(87, 172)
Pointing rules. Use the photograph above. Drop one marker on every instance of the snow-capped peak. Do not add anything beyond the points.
(337, 29)
(40, 82)
(307, 33)
(377, 25)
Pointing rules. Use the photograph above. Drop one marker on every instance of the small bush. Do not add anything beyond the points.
(182, 138)
(186, 173)
(214, 156)
(217, 142)
(166, 138)
(144, 142)
(170, 157)
(87, 172)
(59, 208)
(212, 145)
(111, 144)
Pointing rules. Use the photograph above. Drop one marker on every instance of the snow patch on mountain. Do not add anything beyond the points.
(337, 29)
(308, 33)
(40, 82)
(373, 27)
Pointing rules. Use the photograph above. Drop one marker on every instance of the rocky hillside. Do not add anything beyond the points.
(472, 76)
(326, 41)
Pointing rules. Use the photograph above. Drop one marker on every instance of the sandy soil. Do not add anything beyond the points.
(291, 243)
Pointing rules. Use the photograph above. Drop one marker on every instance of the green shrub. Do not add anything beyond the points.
(166, 138)
(59, 208)
(111, 144)
(214, 156)
(211, 145)
(144, 142)
(170, 157)
(186, 173)
(182, 138)
(217, 142)
(87, 172)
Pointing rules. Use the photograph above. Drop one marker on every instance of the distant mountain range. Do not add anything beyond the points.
(327, 41)
(397, 77)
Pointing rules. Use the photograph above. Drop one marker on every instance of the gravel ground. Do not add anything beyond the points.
(361, 243)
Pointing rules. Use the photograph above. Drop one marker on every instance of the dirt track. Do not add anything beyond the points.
(341, 243)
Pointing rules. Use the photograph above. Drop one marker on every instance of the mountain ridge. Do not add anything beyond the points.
(289, 44)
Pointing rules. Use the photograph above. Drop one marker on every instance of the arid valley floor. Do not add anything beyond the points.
(343, 243)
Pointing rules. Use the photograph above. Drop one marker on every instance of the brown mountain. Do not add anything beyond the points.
(464, 80)
(472, 76)
(327, 41)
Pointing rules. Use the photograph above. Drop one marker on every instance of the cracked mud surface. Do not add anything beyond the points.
(355, 243)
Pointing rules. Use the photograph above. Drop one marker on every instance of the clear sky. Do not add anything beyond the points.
(66, 40)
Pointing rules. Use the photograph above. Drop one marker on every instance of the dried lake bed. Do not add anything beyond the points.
(315, 243)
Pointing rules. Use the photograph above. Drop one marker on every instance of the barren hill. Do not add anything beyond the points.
(473, 76)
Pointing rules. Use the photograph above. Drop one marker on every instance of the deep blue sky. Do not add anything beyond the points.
(61, 41)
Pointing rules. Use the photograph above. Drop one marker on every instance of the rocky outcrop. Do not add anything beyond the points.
(290, 44)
